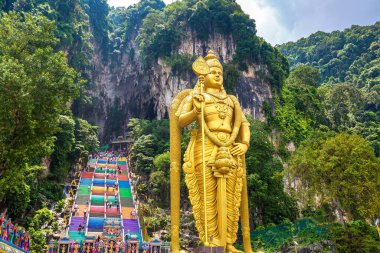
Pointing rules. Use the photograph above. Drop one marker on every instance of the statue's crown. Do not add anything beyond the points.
(212, 60)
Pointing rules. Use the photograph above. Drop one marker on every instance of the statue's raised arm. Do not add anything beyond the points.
(214, 162)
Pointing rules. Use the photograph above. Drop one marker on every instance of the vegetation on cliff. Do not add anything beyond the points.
(341, 56)
(163, 31)
(349, 83)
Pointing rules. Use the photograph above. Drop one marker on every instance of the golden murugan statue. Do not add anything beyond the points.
(214, 162)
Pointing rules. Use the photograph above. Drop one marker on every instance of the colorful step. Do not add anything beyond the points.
(125, 193)
(100, 175)
(84, 189)
(111, 199)
(97, 190)
(87, 174)
(85, 181)
(123, 167)
(113, 166)
(127, 212)
(77, 236)
(123, 177)
(124, 184)
(74, 224)
(100, 170)
(111, 191)
(95, 224)
(91, 161)
(111, 182)
(126, 202)
(96, 209)
(98, 182)
(131, 225)
(97, 200)
(82, 199)
(81, 208)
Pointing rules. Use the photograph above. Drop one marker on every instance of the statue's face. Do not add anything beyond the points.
(215, 78)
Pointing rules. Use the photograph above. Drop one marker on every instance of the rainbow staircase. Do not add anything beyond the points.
(94, 189)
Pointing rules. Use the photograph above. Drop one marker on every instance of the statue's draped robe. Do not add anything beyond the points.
(194, 171)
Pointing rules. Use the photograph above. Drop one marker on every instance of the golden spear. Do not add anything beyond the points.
(201, 68)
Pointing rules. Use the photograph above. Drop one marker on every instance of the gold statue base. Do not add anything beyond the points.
(204, 249)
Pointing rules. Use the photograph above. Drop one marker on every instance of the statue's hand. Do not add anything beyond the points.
(197, 101)
(239, 149)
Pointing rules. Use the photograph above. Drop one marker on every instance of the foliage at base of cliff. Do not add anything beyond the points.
(340, 170)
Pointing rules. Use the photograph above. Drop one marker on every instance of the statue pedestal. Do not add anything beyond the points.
(203, 249)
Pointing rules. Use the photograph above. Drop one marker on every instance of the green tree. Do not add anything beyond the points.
(143, 153)
(41, 219)
(268, 201)
(38, 238)
(159, 129)
(230, 77)
(36, 85)
(341, 103)
(341, 170)
(356, 237)
(304, 75)
(299, 109)
(160, 187)
(160, 178)
(86, 138)
(162, 162)
(65, 139)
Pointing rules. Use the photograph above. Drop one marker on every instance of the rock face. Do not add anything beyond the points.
(123, 86)
(323, 246)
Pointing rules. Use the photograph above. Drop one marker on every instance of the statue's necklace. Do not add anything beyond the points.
(235, 131)
(221, 106)
(222, 109)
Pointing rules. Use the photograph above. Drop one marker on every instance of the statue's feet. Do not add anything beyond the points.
(232, 249)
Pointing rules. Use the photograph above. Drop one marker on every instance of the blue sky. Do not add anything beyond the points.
(280, 21)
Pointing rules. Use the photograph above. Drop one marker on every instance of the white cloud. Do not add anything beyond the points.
(268, 25)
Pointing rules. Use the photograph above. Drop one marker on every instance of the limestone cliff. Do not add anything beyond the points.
(124, 88)
(122, 85)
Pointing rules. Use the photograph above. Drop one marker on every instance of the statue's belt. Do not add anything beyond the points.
(222, 136)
